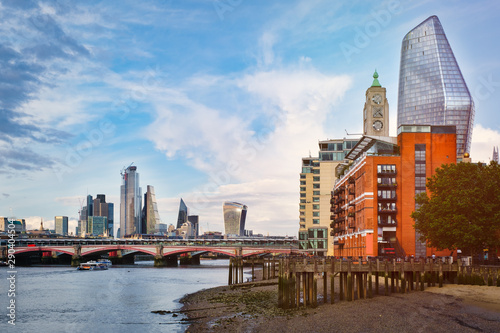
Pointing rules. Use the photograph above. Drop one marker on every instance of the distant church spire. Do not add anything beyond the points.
(41, 224)
(495, 154)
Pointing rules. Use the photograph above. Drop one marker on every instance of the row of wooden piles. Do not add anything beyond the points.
(298, 278)
(268, 267)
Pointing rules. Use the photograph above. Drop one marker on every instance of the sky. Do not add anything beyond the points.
(212, 100)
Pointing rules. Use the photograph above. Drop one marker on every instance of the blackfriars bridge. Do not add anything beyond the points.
(165, 251)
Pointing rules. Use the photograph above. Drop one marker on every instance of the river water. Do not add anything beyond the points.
(63, 299)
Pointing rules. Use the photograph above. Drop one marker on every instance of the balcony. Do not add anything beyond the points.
(392, 223)
(394, 198)
(387, 173)
(387, 185)
(351, 214)
(387, 210)
(332, 225)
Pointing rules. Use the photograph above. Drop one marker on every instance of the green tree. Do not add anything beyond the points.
(461, 209)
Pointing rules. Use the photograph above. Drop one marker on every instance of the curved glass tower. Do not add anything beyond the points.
(432, 90)
(234, 218)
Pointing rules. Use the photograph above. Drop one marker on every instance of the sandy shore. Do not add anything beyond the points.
(251, 307)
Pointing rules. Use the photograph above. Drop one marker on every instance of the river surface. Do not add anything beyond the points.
(63, 299)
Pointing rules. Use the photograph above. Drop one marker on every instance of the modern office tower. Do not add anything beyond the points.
(432, 90)
(103, 208)
(97, 225)
(183, 214)
(316, 182)
(150, 216)
(195, 221)
(234, 218)
(130, 203)
(61, 225)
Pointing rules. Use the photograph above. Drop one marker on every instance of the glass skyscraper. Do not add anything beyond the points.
(150, 215)
(432, 90)
(130, 203)
(183, 214)
(234, 218)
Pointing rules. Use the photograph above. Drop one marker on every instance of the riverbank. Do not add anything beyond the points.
(251, 307)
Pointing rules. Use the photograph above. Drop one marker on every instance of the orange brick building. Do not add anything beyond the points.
(374, 196)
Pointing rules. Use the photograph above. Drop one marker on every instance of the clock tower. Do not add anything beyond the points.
(376, 111)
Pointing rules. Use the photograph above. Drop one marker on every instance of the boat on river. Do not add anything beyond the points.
(94, 265)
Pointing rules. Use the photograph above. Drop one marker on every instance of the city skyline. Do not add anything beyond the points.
(206, 102)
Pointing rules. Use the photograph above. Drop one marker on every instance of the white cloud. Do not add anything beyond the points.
(483, 141)
(256, 166)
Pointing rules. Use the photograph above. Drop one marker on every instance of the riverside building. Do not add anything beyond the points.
(130, 203)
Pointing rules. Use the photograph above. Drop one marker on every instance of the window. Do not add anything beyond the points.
(302, 206)
(302, 200)
(302, 226)
(302, 219)
(315, 221)
(302, 189)
(386, 168)
(302, 182)
(302, 176)
(315, 178)
(302, 195)
(315, 206)
(420, 168)
(316, 214)
(420, 182)
(315, 185)
(315, 199)
(316, 171)
(302, 213)
(315, 192)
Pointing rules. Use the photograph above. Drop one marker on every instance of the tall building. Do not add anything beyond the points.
(376, 110)
(234, 218)
(103, 208)
(195, 221)
(317, 178)
(96, 218)
(61, 225)
(183, 214)
(375, 195)
(150, 215)
(130, 203)
(495, 154)
(432, 90)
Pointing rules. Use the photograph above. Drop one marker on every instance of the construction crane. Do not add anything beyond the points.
(122, 171)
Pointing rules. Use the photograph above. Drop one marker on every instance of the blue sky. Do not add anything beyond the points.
(211, 100)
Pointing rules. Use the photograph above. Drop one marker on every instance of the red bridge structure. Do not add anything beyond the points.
(165, 251)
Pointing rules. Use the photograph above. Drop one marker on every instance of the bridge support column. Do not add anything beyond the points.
(76, 260)
(166, 261)
(189, 260)
(116, 257)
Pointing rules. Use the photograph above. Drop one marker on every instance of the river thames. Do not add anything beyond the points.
(63, 299)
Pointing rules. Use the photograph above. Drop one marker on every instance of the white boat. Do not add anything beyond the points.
(93, 265)
(106, 261)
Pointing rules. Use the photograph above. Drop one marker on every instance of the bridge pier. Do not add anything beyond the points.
(166, 261)
(76, 260)
(189, 260)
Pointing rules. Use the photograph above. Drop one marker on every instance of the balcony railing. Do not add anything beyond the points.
(394, 198)
(388, 211)
(392, 223)
(387, 173)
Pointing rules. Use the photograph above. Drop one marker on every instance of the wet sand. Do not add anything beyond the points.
(251, 307)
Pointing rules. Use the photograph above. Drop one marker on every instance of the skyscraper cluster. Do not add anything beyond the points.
(96, 217)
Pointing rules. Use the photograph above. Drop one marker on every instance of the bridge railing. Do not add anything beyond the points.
(277, 243)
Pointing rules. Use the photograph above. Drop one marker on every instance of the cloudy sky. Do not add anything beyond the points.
(212, 100)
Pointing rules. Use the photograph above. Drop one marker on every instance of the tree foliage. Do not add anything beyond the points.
(462, 210)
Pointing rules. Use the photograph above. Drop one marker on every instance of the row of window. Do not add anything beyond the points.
(386, 168)
(387, 194)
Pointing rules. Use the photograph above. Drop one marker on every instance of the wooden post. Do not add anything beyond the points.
(315, 290)
(230, 278)
(412, 261)
(325, 282)
(350, 291)
(332, 282)
(264, 269)
(402, 278)
(341, 286)
(377, 277)
(304, 289)
(241, 269)
(297, 292)
(253, 270)
(386, 278)
(280, 290)
(441, 273)
(369, 278)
